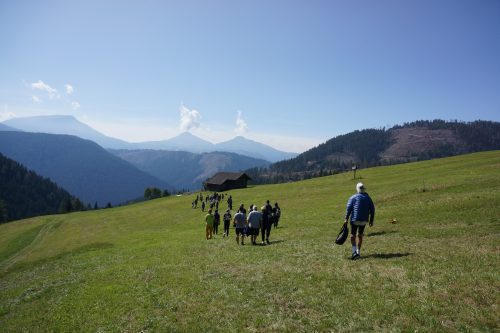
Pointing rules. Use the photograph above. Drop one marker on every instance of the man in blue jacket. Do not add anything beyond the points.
(361, 210)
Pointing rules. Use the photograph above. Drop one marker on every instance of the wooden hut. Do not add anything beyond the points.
(224, 181)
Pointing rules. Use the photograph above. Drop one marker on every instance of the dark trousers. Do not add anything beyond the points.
(216, 228)
(266, 230)
(226, 227)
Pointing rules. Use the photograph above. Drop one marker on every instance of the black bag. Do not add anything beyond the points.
(342, 236)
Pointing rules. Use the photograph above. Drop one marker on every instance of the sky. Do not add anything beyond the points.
(291, 74)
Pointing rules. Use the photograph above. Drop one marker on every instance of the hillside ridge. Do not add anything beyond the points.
(415, 141)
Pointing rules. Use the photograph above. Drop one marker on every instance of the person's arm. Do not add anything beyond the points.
(348, 210)
(372, 212)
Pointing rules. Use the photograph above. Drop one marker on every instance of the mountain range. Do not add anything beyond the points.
(80, 166)
(183, 142)
(95, 174)
(185, 170)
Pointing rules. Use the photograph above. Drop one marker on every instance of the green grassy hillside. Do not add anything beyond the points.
(147, 267)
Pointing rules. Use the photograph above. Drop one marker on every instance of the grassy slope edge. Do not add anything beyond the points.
(147, 267)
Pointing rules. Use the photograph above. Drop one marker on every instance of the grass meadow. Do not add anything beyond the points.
(147, 267)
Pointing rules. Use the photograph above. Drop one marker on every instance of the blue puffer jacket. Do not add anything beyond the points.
(361, 207)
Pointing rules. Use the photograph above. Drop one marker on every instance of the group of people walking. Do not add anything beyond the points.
(360, 211)
(246, 225)
(212, 201)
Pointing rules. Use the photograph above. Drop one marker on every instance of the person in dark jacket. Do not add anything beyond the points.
(266, 221)
(276, 214)
(216, 222)
(227, 222)
(361, 210)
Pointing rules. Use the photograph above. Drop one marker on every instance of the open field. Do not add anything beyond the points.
(147, 267)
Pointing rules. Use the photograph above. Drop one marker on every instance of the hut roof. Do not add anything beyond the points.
(221, 177)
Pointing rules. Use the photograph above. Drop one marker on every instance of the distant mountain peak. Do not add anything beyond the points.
(245, 146)
(188, 134)
(64, 124)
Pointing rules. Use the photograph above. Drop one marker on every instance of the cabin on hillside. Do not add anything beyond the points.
(224, 181)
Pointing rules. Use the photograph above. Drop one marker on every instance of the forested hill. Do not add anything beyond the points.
(419, 140)
(80, 166)
(24, 194)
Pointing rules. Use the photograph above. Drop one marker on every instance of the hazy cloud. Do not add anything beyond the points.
(69, 89)
(40, 85)
(36, 99)
(190, 119)
(75, 105)
(241, 124)
(6, 115)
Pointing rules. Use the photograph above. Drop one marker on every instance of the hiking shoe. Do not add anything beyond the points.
(267, 241)
(355, 255)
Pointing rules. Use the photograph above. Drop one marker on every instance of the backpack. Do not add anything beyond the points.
(342, 236)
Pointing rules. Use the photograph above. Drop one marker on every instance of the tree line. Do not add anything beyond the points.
(23, 194)
(362, 148)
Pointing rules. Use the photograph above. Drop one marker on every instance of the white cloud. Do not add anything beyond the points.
(190, 119)
(75, 105)
(241, 124)
(69, 89)
(6, 115)
(40, 85)
(36, 99)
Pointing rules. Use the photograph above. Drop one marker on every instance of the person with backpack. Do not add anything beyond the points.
(240, 222)
(254, 220)
(227, 222)
(216, 222)
(230, 202)
(361, 210)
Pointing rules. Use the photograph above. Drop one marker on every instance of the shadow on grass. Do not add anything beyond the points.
(386, 255)
(276, 241)
(380, 233)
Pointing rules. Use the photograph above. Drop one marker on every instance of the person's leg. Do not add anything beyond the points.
(268, 232)
(360, 237)
(263, 232)
(210, 231)
(206, 231)
(354, 231)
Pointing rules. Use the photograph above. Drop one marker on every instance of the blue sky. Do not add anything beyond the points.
(288, 73)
